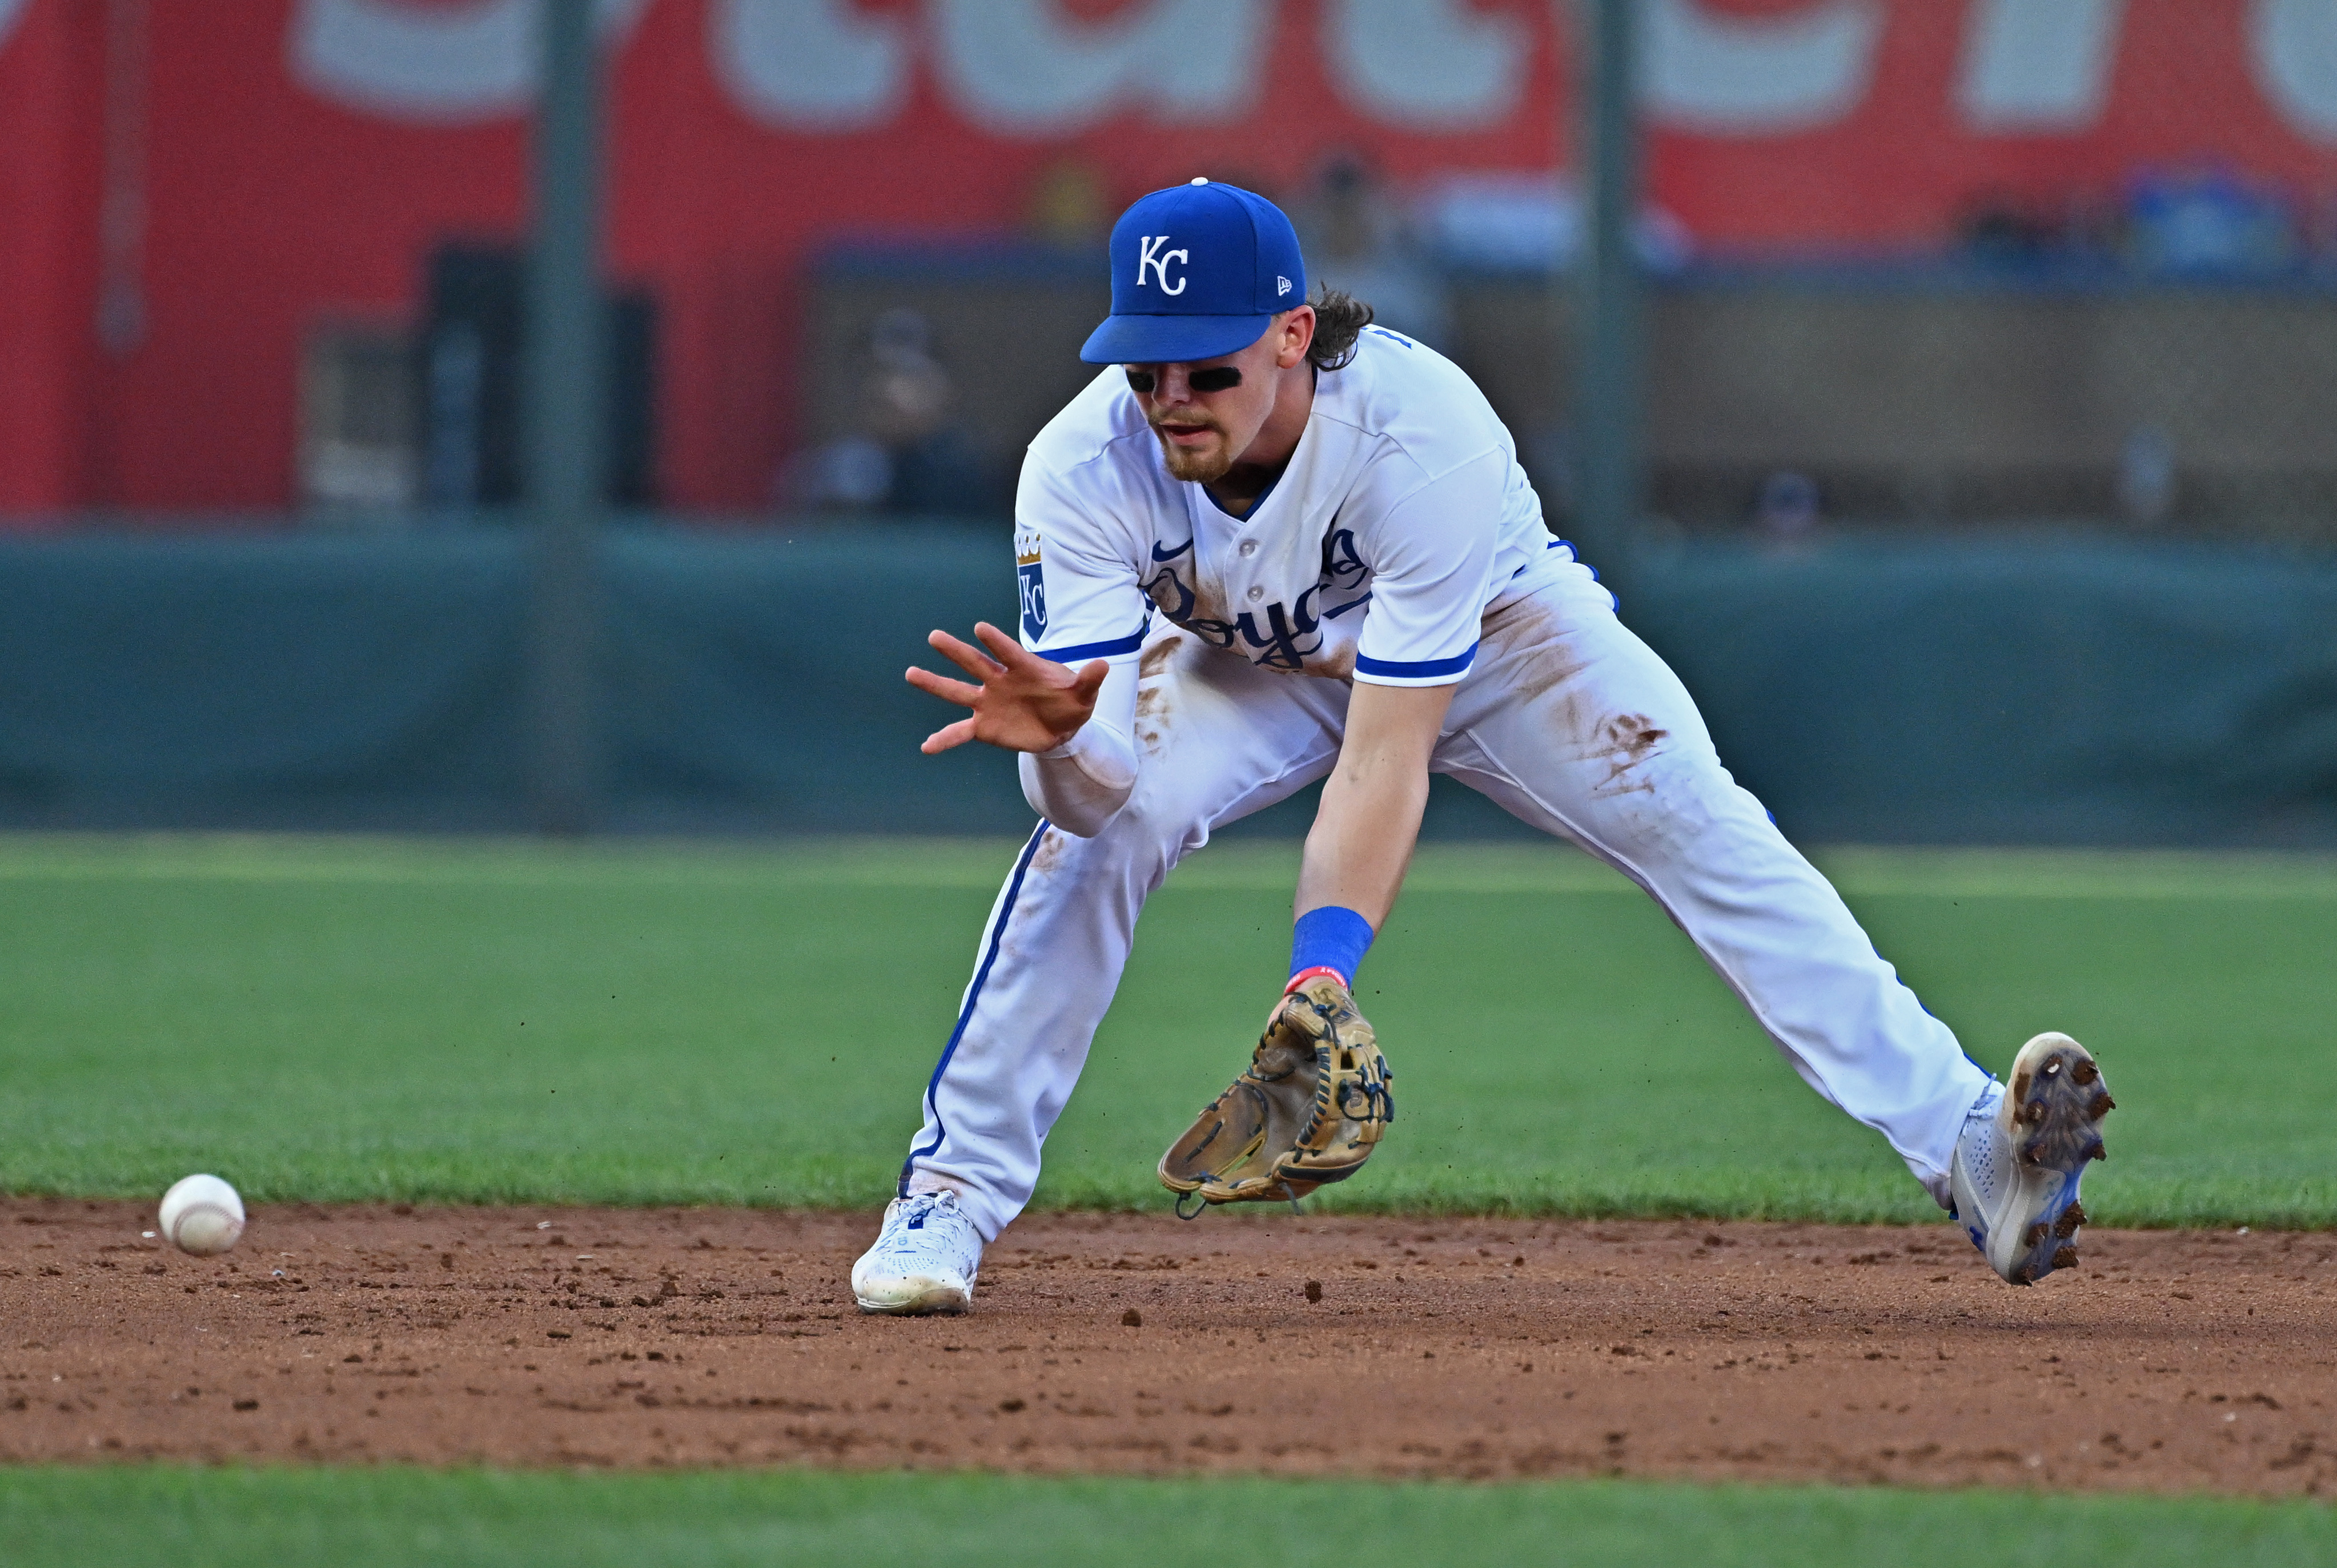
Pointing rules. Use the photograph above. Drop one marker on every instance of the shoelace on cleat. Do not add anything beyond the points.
(911, 1219)
(921, 1207)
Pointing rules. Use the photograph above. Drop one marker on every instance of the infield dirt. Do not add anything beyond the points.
(1256, 1343)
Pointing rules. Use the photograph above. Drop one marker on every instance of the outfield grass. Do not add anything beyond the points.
(493, 1021)
(183, 1518)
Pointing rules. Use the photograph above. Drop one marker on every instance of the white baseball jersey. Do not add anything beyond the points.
(1401, 546)
(1401, 520)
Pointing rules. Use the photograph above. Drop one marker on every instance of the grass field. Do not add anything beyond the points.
(195, 1519)
(357, 1019)
(366, 1019)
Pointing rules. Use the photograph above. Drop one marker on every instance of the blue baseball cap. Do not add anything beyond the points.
(1196, 270)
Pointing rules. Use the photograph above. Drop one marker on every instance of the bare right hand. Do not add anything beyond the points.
(1022, 703)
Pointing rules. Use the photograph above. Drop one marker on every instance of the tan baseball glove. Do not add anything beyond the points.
(1314, 1100)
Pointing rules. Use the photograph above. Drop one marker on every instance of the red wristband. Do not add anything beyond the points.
(1303, 976)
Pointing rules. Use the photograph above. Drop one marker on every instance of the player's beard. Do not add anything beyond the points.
(1195, 465)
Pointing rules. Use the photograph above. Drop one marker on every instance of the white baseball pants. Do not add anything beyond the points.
(1569, 722)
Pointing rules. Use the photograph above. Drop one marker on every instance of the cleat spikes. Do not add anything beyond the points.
(2014, 1175)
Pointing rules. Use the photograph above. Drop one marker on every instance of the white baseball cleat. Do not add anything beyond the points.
(925, 1259)
(2014, 1177)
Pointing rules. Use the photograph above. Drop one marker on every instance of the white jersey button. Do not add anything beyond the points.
(1249, 547)
(1255, 593)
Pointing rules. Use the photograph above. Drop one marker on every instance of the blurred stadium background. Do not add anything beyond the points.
(416, 417)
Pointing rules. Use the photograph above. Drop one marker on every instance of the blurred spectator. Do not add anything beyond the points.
(1998, 230)
(852, 471)
(1354, 238)
(906, 456)
(2208, 221)
(1530, 223)
(1785, 508)
(2201, 223)
(2146, 476)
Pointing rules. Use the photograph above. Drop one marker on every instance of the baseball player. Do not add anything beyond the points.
(1271, 542)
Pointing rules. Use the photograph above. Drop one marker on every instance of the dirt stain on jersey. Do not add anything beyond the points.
(1546, 668)
(1630, 739)
(1339, 664)
(1156, 659)
(1155, 689)
(1635, 735)
(1528, 636)
(1052, 842)
(1051, 845)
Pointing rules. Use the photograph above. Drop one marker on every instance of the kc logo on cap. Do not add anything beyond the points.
(1198, 271)
(1159, 261)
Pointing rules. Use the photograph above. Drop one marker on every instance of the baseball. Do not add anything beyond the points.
(202, 1215)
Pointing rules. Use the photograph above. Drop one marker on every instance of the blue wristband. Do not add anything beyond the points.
(1330, 938)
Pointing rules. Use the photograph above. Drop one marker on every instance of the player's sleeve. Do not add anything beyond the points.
(1432, 557)
(1075, 571)
(1080, 785)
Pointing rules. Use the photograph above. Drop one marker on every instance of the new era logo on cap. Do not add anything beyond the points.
(1198, 271)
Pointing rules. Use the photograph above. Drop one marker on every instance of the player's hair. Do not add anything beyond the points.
(1339, 319)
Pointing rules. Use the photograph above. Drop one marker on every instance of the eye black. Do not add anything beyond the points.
(1141, 381)
(1219, 378)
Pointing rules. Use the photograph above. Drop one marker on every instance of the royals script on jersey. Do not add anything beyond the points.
(1403, 518)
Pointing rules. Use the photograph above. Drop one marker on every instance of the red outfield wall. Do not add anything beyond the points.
(266, 163)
